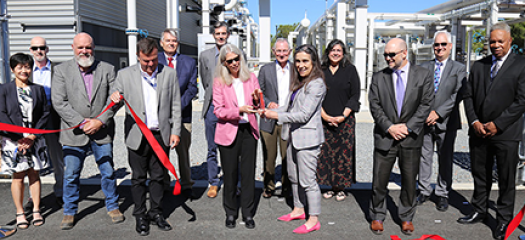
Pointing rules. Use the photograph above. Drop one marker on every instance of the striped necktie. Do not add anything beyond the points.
(494, 70)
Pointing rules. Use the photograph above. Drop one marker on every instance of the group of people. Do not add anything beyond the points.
(415, 109)
(306, 109)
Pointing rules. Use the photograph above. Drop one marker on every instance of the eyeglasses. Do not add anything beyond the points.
(443, 44)
(230, 61)
(43, 48)
(392, 54)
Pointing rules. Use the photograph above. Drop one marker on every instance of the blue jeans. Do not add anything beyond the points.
(74, 161)
(210, 122)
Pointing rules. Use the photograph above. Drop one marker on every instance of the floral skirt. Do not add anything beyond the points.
(13, 161)
(336, 164)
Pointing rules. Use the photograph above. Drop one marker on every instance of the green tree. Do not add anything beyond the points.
(517, 32)
(282, 31)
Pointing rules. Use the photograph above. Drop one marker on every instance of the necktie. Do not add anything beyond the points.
(437, 76)
(400, 92)
(495, 69)
(170, 63)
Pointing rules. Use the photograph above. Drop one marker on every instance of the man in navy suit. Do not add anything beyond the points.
(187, 74)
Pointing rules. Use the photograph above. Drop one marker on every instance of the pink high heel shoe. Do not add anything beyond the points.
(288, 217)
(304, 230)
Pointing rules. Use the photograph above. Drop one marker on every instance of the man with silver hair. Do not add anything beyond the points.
(80, 91)
(494, 104)
(187, 75)
(442, 123)
(274, 79)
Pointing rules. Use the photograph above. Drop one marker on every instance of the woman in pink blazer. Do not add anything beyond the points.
(235, 92)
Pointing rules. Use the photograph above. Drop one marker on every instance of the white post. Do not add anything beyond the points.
(264, 31)
(174, 19)
(168, 13)
(248, 41)
(205, 16)
(132, 31)
(454, 33)
(329, 28)
(371, 54)
(341, 21)
(360, 52)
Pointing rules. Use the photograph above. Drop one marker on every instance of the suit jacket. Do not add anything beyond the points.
(419, 96)
(502, 101)
(451, 80)
(206, 70)
(187, 76)
(303, 118)
(227, 110)
(270, 88)
(10, 110)
(70, 99)
(129, 84)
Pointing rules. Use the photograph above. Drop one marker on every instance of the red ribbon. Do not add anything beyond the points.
(261, 100)
(164, 159)
(515, 223)
(156, 147)
(424, 237)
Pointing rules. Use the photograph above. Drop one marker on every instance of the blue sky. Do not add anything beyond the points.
(291, 11)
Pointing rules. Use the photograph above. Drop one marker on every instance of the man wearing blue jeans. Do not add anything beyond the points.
(79, 92)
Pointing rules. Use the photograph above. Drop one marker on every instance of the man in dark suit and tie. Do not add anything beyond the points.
(494, 104)
(448, 78)
(186, 69)
(400, 98)
(274, 79)
(152, 90)
(207, 62)
(80, 90)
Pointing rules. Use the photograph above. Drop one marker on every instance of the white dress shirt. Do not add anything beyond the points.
(42, 76)
(283, 83)
(239, 92)
(151, 105)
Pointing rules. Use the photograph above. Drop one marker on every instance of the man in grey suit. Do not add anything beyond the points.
(79, 92)
(152, 91)
(274, 79)
(448, 78)
(400, 97)
(207, 62)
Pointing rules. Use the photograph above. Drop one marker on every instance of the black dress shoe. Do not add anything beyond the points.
(442, 204)
(422, 198)
(472, 218)
(161, 222)
(249, 223)
(500, 231)
(230, 221)
(142, 226)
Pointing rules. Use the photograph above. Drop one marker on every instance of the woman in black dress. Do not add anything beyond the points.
(336, 166)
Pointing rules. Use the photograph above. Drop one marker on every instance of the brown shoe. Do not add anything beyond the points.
(116, 216)
(407, 227)
(212, 191)
(67, 222)
(377, 227)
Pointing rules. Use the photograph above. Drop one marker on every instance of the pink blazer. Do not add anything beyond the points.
(227, 110)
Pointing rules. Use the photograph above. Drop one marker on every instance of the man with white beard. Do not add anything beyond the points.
(80, 91)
